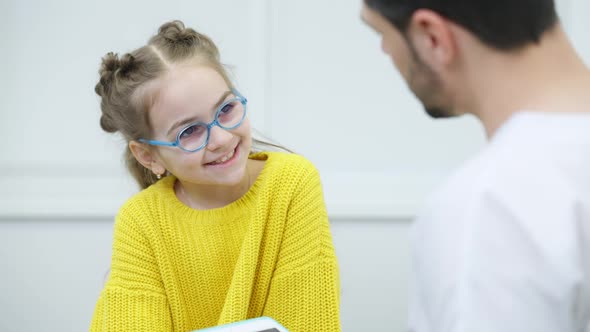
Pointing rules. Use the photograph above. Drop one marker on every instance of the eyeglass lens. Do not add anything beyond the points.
(229, 116)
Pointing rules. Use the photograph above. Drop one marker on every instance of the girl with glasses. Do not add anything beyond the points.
(219, 233)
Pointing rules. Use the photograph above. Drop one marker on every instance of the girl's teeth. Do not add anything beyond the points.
(226, 158)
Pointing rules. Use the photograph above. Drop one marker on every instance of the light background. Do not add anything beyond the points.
(316, 82)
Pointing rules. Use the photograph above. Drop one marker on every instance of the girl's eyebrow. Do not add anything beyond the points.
(189, 120)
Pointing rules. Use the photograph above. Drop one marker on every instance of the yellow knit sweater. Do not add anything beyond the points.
(269, 253)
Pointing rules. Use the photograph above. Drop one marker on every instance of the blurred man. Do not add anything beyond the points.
(503, 245)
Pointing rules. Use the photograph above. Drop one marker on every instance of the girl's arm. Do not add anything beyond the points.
(305, 290)
(133, 298)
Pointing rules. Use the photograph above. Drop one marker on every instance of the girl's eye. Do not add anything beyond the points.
(188, 131)
(227, 108)
(194, 130)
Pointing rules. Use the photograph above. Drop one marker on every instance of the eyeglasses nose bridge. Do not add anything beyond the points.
(215, 123)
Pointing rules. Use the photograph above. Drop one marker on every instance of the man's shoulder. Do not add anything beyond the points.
(504, 166)
(520, 184)
(493, 172)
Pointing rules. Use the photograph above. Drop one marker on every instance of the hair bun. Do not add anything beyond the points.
(113, 66)
(127, 64)
(107, 124)
(110, 63)
(175, 32)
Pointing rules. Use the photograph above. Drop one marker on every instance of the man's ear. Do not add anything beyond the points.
(145, 156)
(432, 38)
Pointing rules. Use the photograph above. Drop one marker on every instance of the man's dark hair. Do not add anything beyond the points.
(502, 24)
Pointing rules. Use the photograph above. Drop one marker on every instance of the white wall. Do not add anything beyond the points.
(316, 81)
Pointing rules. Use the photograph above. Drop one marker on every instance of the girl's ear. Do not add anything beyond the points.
(145, 156)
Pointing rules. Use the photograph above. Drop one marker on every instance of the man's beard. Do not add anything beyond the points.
(437, 112)
(427, 86)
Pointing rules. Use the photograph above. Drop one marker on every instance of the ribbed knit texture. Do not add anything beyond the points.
(270, 253)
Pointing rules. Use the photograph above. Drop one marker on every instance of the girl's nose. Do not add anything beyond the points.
(218, 138)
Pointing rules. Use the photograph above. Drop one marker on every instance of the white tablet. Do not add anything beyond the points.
(260, 324)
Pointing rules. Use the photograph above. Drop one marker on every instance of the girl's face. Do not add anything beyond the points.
(189, 94)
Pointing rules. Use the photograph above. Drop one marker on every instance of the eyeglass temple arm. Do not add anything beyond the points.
(153, 142)
(238, 94)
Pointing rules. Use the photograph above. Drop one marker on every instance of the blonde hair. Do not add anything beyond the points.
(123, 81)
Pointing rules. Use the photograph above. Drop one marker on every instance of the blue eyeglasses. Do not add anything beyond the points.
(195, 136)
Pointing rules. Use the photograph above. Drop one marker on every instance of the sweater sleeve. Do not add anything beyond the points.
(133, 298)
(305, 290)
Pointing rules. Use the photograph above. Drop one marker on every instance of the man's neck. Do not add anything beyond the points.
(545, 77)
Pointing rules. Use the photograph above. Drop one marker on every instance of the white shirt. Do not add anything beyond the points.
(504, 244)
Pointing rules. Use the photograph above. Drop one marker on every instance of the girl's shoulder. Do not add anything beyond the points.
(148, 199)
(285, 161)
(286, 171)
